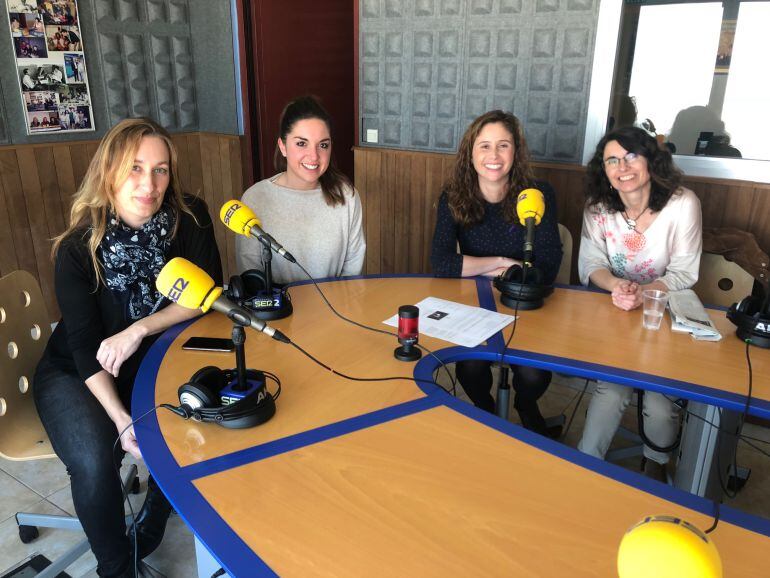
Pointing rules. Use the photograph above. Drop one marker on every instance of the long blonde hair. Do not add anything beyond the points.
(93, 202)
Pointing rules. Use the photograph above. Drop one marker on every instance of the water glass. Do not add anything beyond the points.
(654, 305)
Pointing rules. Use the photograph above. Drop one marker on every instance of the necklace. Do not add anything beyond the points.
(631, 223)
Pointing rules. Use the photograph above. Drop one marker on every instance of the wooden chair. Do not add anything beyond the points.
(565, 269)
(722, 282)
(24, 332)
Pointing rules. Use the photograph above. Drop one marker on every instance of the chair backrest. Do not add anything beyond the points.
(722, 282)
(565, 270)
(24, 331)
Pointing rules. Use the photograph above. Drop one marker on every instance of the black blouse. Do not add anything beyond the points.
(89, 317)
(493, 236)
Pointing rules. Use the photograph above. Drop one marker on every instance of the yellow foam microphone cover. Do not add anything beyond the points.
(667, 547)
(238, 217)
(187, 285)
(530, 203)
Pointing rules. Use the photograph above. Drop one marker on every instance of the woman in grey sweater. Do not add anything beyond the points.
(309, 207)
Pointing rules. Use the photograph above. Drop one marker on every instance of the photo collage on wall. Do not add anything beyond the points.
(50, 62)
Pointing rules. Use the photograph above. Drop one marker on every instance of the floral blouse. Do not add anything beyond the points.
(669, 250)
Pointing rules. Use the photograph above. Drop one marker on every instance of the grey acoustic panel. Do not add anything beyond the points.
(145, 46)
(456, 59)
(171, 60)
(3, 122)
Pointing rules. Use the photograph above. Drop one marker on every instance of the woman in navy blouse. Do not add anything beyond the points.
(477, 211)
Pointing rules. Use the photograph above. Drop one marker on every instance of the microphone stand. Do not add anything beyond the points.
(239, 341)
(273, 302)
(267, 259)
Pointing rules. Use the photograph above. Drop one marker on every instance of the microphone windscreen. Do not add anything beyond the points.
(530, 204)
(187, 285)
(238, 217)
(667, 547)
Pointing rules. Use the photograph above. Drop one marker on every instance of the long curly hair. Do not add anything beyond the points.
(93, 202)
(463, 193)
(333, 181)
(665, 177)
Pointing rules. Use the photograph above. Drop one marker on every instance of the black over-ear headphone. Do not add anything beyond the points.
(248, 290)
(200, 398)
(752, 319)
(526, 289)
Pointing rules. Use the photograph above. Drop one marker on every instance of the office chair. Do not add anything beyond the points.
(24, 331)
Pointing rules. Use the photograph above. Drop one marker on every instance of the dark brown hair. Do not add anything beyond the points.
(333, 182)
(463, 193)
(664, 175)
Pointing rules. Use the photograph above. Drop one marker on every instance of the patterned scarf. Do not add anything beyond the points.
(132, 259)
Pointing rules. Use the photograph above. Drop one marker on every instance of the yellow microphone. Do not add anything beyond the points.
(241, 219)
(188, 285)
(667, 547)
(530, 204)
(530, 207)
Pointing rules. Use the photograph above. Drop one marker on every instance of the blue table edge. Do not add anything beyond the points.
(218, 537)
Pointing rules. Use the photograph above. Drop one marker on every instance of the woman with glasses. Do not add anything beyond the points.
(641, 230)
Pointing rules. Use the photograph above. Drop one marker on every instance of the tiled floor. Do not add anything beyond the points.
(43, 486)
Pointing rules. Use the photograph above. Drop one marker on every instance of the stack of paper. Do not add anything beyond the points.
(689, 316)
(457, 323)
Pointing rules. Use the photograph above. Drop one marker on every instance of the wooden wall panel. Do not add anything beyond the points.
(400, 190)
(37, 183)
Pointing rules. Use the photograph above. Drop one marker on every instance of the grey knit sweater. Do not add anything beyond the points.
(327, 241)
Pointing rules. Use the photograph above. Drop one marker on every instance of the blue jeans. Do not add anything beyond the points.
(83, 436)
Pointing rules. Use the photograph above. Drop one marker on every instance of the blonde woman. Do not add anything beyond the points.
(128, 218)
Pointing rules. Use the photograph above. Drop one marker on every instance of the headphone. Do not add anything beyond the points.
(200, 398)
(248, 290)
(752, 318)
(527, 289)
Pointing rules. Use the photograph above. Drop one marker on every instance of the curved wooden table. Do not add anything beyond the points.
(397, 478)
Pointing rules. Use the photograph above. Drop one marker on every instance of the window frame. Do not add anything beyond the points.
(602, 79)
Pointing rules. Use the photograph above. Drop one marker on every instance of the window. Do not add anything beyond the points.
(693, 73)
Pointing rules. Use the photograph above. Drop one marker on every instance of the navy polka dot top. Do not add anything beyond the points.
(494, 237)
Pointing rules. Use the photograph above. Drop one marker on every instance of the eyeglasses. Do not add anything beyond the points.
(614, 162)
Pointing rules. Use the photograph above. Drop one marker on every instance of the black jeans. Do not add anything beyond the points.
(529, 383)
(83, 437)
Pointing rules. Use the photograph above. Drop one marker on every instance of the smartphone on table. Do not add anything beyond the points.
(208, 344)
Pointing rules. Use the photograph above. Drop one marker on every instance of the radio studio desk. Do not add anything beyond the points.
(398, 478)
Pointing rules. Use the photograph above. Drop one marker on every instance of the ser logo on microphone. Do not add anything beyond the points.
(177, 289)
(230, 212)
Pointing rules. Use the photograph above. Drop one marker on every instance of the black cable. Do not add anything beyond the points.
(452, 379)
(647, 441)
(717, 512)
(352, 378)
(513, 330)
(748, 443)
(574, 410)
(116, 465)
(741, 437)
(724, 487)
